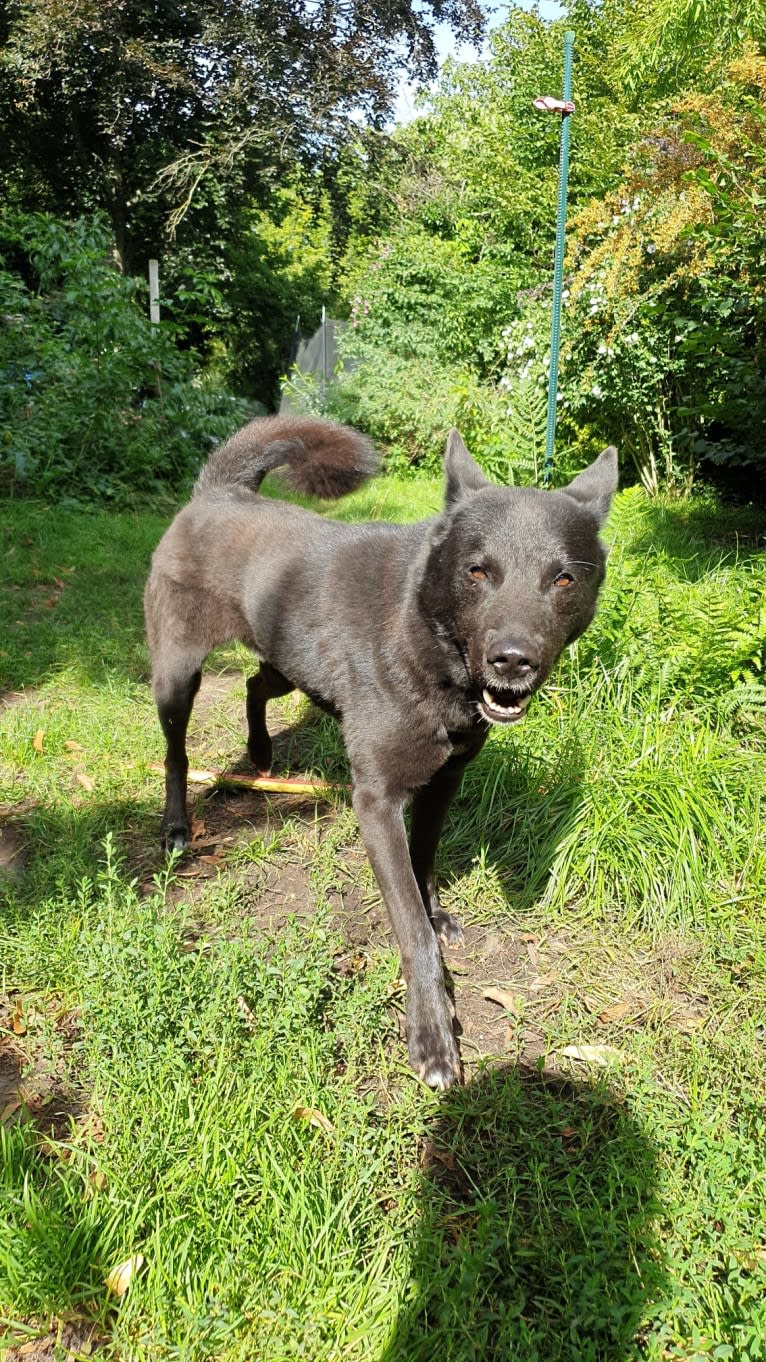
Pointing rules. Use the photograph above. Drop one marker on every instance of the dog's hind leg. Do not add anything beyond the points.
(429, 810)
(267, 684)
(174, 693)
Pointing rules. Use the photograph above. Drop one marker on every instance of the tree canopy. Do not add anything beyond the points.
(132, 106)
(246, 145)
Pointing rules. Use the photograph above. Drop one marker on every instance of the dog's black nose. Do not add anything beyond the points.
(513, 659)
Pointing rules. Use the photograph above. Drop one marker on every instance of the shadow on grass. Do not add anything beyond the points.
(535, 1240)
(696, 535)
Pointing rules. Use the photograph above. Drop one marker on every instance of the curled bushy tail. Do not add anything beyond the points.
(322, 458)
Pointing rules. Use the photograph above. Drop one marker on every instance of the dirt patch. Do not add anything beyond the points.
(14, 854)
(68, 1340)
(36, 1087)
(9, 698)
(218, 724)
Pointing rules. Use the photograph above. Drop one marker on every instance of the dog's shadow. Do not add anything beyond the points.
(536, 1233)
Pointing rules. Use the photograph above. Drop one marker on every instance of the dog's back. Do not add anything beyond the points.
(194, 596)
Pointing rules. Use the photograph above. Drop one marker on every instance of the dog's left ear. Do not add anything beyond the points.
(596, 485)
(463, 472)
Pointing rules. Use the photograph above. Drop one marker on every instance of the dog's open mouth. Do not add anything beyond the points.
(503, 707)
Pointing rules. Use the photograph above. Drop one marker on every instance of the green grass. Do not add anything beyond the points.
(178, 1057)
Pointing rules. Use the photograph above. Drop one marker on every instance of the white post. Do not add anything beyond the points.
(154, 292)
(324, 359)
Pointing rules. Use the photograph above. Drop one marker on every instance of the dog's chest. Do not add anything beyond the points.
(461, 744)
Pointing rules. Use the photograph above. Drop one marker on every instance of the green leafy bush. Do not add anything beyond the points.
(408, 407)
(94, 401)
(665, 338)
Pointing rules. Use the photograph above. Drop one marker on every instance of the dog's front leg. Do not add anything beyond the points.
(429, 809)
(430, 1038)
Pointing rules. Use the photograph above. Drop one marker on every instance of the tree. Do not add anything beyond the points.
(666, 47)
(467, 212)
(142, 109)
(666, 347)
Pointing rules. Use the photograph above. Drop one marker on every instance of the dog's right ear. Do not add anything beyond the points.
(463, 473)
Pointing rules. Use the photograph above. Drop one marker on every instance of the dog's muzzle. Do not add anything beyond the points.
(503, 707)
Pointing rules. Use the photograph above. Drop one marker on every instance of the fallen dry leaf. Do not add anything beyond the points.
(543, 981)
(432, 1154)
(87, 782)
(505, 999)
(592, 1054)
(37, 741)
(72, 746)
(314, 1118)
(246, 1012)
(616, 1012)
(93, 1127)
(120, 1277)
(18, 1020)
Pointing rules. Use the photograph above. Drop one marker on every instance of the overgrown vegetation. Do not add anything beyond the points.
(208, 1075)
(95, 402)
(211, 1145)
(434, 241)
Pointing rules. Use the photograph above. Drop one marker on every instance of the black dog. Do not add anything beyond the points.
(417, 637)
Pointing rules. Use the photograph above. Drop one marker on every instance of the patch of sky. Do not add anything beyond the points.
(448, 46)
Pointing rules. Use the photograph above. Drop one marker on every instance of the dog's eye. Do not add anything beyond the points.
(564, 579)
(478, 573)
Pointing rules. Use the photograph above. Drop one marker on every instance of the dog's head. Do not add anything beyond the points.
(512, 577)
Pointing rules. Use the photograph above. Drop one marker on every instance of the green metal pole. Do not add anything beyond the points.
(558, 262)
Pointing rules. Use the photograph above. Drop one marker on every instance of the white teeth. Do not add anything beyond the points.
(492, 704)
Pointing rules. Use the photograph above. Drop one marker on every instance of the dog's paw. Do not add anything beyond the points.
(259, 751)
(433, 1051)
(174, 838)
(447, 928)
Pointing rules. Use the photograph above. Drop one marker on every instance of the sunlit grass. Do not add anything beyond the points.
(234, 1105)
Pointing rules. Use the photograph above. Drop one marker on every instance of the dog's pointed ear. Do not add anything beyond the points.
(463, 473)
(596, 485)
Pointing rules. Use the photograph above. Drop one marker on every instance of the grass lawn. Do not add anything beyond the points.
(202, 1075)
